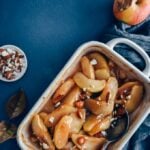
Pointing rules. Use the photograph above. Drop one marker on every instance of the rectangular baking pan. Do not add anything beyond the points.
(136, 118)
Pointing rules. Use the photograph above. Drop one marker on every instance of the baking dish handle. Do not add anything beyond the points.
(136, 47)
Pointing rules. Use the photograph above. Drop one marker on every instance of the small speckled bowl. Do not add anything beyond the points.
(136, 118)
(25, 62)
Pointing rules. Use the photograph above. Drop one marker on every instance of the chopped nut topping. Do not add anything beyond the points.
(11, 63)
(103, 133)
(93, 62)
(79, 104)
(57, 104)
(45, 146)
(80, 114)
(51, 119)
(84, 89)
(81, 140)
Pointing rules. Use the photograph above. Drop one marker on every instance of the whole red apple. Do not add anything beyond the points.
(131, 11)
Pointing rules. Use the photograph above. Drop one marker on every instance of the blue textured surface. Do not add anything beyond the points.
(48, 31)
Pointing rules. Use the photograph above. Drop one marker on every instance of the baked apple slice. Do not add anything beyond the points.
(87, 68)
(130, 94)
(72, 96)
(91, 121)
(105, 104)
(95, 124)
(41, 132)
(84, 142)
(78, 120)
(101, 126)
(88, 84)
(62, 131)
(100, 59)
(52, 118)
(102, 74)
(135, 98)
(102, 71)
(62, 91)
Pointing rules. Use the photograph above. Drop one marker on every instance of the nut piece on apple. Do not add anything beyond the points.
(131, 12)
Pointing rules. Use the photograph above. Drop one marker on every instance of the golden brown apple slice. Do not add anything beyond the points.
(107, 98)
(72, 96)
(48, 107)
(89, 84)
(69, 146)
(98, 107)
(41, 132)
(62, 131)
(63, 90)
(127, 86)
(43, 115)
(102, 74)
(101, 126)
(101, 61)
(87, 68)
(110, 90)
(91, 121)
(84, 142)
(78, 121)
(135, 98)
(56, 115)
(93, 105)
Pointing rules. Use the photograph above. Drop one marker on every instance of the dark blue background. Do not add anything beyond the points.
(48, 31)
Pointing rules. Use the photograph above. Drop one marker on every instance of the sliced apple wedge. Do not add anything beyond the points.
(127, 86)
(89, 84)
(87, 68)
(43, 115)
(101, 61)
(48, 107)
(98, 107)
(102, 74)
(78, 121)
(93, 105)
(52, 118)
(84, 142)
(72, 96)
(91, 121)
(62, 131)
(110, 90)
(62, 90)
(69, 146)
(101, 126)
(135, 98)
(106, 103)
(41, 132)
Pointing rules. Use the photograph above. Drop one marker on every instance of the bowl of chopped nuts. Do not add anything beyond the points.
(13, 63)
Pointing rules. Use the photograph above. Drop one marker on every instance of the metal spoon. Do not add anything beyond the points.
(117, 129)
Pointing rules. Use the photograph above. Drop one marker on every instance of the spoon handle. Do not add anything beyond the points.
(106, 145)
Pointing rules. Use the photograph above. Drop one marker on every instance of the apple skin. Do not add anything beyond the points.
(133, 14)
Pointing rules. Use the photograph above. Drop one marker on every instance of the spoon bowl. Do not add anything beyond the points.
(117, 128)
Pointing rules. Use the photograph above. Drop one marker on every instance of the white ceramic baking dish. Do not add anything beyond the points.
(137, 116)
